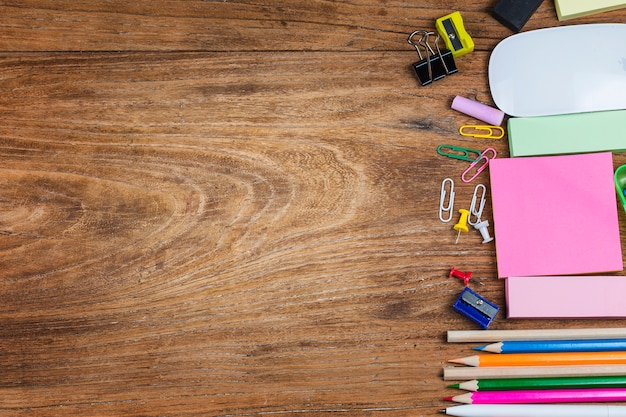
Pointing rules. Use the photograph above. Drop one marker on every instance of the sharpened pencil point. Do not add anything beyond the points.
(447, 399)
(454, 386)
(443, 411)
(480, 347)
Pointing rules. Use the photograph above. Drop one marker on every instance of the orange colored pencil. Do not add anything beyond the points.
(541, 359)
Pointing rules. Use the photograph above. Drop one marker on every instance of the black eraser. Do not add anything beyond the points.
(515, 13)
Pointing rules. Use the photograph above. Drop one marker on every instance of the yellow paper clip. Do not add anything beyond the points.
(482, 131)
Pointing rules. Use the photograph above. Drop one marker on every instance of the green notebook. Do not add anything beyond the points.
(569, 133)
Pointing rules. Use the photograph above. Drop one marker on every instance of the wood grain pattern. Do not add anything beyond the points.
(230, 208)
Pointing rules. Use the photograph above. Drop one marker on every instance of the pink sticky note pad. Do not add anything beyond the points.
(555, 215)
(566, 296)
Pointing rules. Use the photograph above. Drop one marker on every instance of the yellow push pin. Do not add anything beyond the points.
(461, 226)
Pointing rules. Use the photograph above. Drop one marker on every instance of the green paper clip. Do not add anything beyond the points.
(620, 184)
(457, 152)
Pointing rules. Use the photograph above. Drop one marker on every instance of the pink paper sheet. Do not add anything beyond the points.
(555, 215)
(566, 297)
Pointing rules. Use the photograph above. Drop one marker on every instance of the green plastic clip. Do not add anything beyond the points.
(457, 152)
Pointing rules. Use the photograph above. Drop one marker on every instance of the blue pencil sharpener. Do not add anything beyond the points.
(475, 308)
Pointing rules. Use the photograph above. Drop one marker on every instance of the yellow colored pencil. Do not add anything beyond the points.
(544, 359)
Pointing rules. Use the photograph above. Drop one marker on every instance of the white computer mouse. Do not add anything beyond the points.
(560, 70)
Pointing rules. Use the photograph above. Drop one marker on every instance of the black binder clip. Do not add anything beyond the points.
(432, 65)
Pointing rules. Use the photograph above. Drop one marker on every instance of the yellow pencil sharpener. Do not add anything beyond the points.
(452, 31)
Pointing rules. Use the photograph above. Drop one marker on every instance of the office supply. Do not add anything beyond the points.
(567, 133)
(504, 384)
(479, 165)
(515, 13)
(582, 70)
(447, 190)
(570, 9)
(620, 184)
(542, 396)
(574, 296)
(478, 110)
(475, 372)
(467, 336)
(544, 359)
(481, 131)
(555, 215)
(536, 410)
(475, 307)
(461, 226)
(545, 346)
(483, 228)
(477, 204)
(432, 66)
(454, 35)
(466, 277)
(460, 153)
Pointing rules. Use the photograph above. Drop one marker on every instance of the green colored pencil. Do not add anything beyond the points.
(612, 381)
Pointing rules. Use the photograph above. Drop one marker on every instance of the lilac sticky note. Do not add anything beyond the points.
(580, 296)
(555, 215)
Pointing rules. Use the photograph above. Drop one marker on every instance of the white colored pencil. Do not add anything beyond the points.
(456, 373)
(464, 336)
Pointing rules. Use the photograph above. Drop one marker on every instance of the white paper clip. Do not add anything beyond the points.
(476, 208)
(450, 206)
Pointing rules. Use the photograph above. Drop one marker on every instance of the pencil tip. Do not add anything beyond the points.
(459, 361)
(443, 411)
(448, 399)
(454, 386)
(480, 347)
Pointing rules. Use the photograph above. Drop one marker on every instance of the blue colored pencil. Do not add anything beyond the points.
(548, 346)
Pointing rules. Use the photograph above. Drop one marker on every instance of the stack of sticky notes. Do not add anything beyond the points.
(555, 214)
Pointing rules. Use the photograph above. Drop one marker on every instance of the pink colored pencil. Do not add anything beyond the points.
(542, 396)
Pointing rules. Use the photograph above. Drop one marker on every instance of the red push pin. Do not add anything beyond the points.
(466, 277)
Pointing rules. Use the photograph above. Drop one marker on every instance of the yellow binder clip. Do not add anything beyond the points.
(491, 132)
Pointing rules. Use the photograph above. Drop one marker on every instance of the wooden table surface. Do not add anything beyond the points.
(229, 208)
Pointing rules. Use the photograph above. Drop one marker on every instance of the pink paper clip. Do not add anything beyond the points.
(483, 160)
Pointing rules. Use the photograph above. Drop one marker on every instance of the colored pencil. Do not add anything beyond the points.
(539, 359)
(542, 396)
(503, 384)
(546, 346)
(465, 336)
(456, 373)
(536, 410)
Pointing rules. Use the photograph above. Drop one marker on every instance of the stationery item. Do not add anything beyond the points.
(581, 296)
(477, 204)
(447, 191)
(620, 184)
(457, 152)
(454, 35)
(536, 410)
(555, 215)
(567, 133)
(582, 70)
(461, 226)
(475, 307)
(542, 396)
(546, 346)
(432, 65)
(545, 359)
(480, 131)
(483, 228)
(570, 9)
(478, 110)
(515, 13)
(498, 372)
(504, 384)
(466, 277)
(479, 165)
(467, 336)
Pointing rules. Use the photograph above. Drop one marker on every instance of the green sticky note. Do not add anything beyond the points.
(567, 134)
